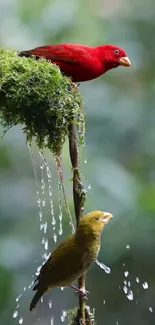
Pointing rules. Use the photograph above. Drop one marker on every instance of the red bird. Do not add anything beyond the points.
(80, 62)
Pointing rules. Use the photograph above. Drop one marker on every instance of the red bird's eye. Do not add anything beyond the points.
(117, 52)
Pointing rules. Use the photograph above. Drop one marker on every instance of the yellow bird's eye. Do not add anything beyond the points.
(97, 218)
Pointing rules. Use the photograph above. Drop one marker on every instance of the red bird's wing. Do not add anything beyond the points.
(64, 53)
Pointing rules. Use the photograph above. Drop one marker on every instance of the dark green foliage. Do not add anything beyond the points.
(36, 94)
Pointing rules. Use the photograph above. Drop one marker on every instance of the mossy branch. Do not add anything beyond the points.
(79, 195)
(36, 94)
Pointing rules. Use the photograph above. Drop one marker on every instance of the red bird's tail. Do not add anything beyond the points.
(28, 54)
(37, 297)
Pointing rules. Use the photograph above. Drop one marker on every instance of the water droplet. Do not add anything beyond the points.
(60, 231)
(128, 246)
(21, 320)
(46, 244)
(89, 187)
(103, 267)
(50, 304)
(123, 264)
(63, 316)
(145, 285)
(62, 288)
(126, 273)
(41, 299)
(24, 288)
(151, 309)
(55, 237)
(130, 295)
(125, 289)
(137, 280)
(104, 302)
(125, 282)
(85, 161)
(129, 284)
(117, 322)
(52, 320)
(15, 314)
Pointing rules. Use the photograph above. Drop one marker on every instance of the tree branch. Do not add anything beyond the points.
(79, 196)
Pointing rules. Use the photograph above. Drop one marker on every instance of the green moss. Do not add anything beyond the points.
(35, 94)
(74, 317)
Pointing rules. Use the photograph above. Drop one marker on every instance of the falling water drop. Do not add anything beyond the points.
(126, 273)
(63, 316)
(85, 161)
(15, 314)
(125, 289)
(89, 187)
(130, 295)
(46, 244)
(129, 284)
(17, 299)
(62, 288)
(50, 303)
(52, 320)
(137, 280)
(21, 320)
(128, 246)
(145, 285)
(103, 267)
(104, 302)
(60, 231)
(36, 181)
(151, 309)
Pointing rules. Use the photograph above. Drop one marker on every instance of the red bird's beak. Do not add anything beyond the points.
(107, 217)
(125, 61)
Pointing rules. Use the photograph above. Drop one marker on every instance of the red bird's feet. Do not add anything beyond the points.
(80, 291)
(76, 86)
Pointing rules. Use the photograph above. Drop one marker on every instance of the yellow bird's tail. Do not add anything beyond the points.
(37, 297)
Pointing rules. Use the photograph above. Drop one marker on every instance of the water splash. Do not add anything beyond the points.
(103, 267)
(128, 246)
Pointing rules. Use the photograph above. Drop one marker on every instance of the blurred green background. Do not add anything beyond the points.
(120, 154)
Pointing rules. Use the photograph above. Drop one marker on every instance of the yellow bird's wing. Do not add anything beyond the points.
(64, 265)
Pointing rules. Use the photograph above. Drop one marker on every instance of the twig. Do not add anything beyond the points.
(79, 196)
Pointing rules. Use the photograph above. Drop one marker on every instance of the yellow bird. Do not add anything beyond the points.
(73, 256)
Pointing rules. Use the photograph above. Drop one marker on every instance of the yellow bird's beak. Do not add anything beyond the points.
(125, 62)
(107, 217)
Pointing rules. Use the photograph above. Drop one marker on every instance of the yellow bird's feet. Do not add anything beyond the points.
(80, 291)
